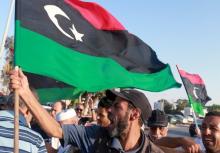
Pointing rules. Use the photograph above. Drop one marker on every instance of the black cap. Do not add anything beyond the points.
(158, 118)
(137, 99)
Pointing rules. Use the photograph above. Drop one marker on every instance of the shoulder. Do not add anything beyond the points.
(31, 136)
(149, 146)
(81, 129)
(78, 134)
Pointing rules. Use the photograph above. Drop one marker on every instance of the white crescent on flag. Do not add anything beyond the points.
(52, 11)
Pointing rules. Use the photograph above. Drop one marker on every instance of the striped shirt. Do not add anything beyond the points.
(29, 140)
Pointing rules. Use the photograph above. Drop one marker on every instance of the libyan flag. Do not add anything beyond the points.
(196, 91)
(79, 45)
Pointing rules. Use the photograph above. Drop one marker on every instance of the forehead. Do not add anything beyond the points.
(120, 101)
(214, 120)
(102, 110)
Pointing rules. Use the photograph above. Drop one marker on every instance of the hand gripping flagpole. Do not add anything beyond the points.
(6, 28)
(194, 116)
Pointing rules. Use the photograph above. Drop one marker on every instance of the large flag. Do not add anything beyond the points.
(84, 46)
(196, 90)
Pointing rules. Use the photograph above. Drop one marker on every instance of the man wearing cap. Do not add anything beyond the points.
(130, 109)
(157, 123)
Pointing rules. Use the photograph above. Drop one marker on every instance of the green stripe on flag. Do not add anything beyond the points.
(53, 94)
(197, 106)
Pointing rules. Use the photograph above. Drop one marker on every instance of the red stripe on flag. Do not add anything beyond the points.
(96, 15)
(193, 78)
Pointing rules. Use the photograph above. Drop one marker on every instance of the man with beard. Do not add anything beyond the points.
(211, 132)
(129, 111)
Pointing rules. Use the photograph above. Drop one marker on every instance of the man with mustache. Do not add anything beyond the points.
(211, 132)
(129, 111)
(158, 124)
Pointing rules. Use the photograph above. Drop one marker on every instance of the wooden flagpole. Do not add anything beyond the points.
(194, 116)
(16, 120)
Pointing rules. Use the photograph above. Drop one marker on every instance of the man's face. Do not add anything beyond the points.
(119, 115)
(102, 117)
(157, 132)
(79, 110)
(56, 108)
(211, 133)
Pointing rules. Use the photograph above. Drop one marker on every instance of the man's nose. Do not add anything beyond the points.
(206, 131)
(157, 131)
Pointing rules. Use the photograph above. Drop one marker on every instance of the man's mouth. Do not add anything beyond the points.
(207, 141)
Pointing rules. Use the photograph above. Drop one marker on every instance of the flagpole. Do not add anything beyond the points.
(6, 28)
(16, 120)
(194, 116)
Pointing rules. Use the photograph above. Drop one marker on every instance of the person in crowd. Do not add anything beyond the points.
(29, 140)
(102, 112)
(129, 111)
(210, 132)
(79, 109)
(158, 130)
(57, 107)
(158, 125)
(67, 116)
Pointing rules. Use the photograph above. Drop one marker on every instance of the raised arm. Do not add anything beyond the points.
(19, 81)
(186, 143)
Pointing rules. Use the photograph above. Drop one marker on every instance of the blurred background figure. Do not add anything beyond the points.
(102, 111)
(67, 116)
(158, 125)
(79, 109)
(57, 107)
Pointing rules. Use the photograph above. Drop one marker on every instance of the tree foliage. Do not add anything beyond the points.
(181, 104)
(168, 107)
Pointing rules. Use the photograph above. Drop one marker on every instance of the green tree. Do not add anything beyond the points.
(168, 107)
(181, 104)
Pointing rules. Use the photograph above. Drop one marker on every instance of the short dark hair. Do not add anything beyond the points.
(213, 113)
(105, 102)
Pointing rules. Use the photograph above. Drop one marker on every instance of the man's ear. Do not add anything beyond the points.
(135, 114)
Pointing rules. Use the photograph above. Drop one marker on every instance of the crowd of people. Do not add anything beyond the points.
(123, 121)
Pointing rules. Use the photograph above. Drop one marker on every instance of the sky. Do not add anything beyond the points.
(184, 33)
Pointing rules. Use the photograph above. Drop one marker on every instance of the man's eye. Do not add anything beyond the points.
(214, 128)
